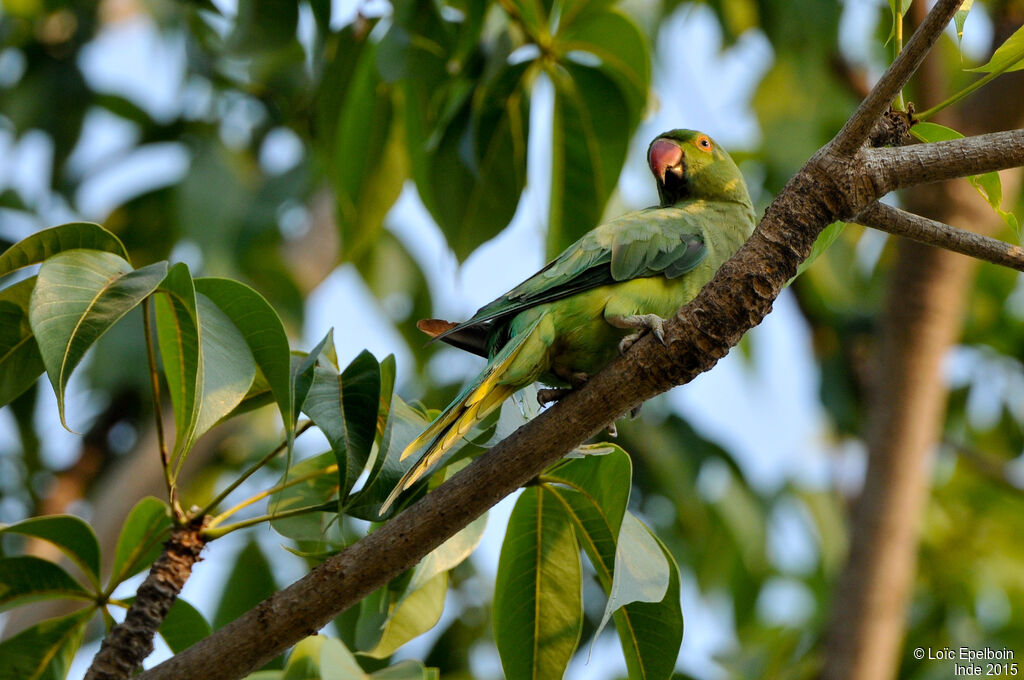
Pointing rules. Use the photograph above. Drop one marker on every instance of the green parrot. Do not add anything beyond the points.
(570, 319)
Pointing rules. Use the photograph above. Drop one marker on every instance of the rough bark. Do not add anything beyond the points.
(131, 641)
(836, 183)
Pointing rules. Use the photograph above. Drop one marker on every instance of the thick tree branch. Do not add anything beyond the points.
(131, 641)
(902, 223)
(834, 184)
(907, 166)
(860, 124)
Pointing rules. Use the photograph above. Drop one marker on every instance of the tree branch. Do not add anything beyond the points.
(834, 184)
(907, 166)
(902, 223)
(859, 126)
(131, 641)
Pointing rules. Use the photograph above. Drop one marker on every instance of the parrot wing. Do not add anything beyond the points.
(656, 241)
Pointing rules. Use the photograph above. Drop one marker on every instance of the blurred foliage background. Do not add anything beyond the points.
(354, 156)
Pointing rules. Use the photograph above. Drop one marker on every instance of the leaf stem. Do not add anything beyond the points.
(272, 490)
(252, 470)
(977, 84)
(897, 27)
(211, 532)
(158, 412)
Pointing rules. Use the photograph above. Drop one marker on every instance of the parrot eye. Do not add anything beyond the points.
(704, 143)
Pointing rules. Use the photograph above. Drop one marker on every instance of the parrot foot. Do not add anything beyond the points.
(635, 411)
(612, 430)
(643, 323)
(551, 395)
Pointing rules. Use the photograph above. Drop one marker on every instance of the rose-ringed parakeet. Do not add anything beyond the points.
(571, 318)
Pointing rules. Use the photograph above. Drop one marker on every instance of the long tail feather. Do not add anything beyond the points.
(474, 403)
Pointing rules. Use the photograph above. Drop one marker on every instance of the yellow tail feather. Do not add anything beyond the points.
(460, 417)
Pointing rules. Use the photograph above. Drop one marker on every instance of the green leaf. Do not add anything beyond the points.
(826, 238)
(988, 185)
(304, 661)
(44, 244)
(263, 332)
(78, 296)
(184, 626)
(392, 616)
(141, 538)
(45, 650)
(363, 150)
(227, 365)
(651, 632)
(619, 43)
(602, 483)
(302, 370)
(641, 569)
(403, 425)
(25, 579)
(20, 361)
(406, 670)
(448, 555)
(1008, 57)
(466, 139)
(338, 663)
(537, 602)
(591, 127)
(345, 408)
(601, 85)
(960, 17)
(177, 327)
(314, 481)
(71, 534)
(412, 616)
(250, 581)
(264, 25)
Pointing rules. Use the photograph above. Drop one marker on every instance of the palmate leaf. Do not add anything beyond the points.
(641, 582)
(71, 534)
(20, 361)
(538, 613)
(78, 296)
(44, 244)
(466, 121)
(45, 650)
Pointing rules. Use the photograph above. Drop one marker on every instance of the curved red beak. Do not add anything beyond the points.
(663, 155)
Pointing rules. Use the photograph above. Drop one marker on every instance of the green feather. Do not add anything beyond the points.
(568, 319)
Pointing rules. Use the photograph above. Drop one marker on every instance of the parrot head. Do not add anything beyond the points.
(688, 164)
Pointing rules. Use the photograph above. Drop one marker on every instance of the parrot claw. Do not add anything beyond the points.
(643, 323)
(611, 430)
(551, 395)
(635, 411)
